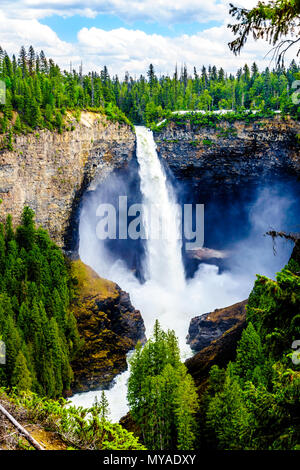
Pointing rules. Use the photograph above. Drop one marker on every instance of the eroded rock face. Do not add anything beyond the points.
(231, 154)
(49, 171)
(219, 352)
(210, 326)
(109, 326)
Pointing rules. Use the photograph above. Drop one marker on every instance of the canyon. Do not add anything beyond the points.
(51, 172)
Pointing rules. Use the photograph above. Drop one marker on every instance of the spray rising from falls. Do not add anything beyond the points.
(163, 290)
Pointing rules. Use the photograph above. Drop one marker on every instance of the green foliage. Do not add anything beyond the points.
(272, 21)
(254, 403)
(81, 428)
(36, 324)
(21, 378)
(161, 394)
(38, 95)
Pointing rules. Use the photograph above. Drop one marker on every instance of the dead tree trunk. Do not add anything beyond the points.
(21, 430)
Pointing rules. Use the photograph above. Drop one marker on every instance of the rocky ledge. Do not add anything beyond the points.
(219, 352)
(108, 325)
(230, 153)
(206, 328)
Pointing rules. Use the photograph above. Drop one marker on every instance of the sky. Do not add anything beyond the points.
(128, 35)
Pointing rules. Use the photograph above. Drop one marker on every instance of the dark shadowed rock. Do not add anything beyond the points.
(230, 154)
(210, 326)
(219, 352)
(296, 252)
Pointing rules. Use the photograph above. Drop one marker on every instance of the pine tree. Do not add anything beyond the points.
(186, 407)
(21, 378)
(156, 391)
(249, 353)
(23, 61)
(31, 60)
(104, 407)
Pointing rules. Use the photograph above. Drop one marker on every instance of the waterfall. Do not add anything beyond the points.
(161, 296)
(163, 263)
(166, 295)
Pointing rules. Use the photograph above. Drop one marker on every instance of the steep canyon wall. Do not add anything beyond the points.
(49, 171)
(231, 153)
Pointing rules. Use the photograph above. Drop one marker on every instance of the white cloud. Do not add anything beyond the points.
(17, 32)
(126, 49)
(163, 11)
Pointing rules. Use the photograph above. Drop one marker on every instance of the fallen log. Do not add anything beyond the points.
(21, 429)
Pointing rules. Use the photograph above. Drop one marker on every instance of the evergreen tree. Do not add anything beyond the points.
(21, 378)
(38, 93)
(161, 395)
(35, 295)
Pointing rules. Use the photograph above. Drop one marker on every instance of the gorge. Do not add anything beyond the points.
(167, 291)
(232, 171)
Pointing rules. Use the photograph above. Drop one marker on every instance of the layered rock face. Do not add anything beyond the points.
(219, 352)
(210, 326)
(108, 325)
(215, 336)
(49, 171)
(231, 154)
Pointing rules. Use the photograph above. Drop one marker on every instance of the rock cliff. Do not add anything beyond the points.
(109, 326)
(219, 352)
(49, 171)
(230, 154)
(210, 326)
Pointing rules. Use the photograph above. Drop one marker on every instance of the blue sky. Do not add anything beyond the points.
(67, 27)
(126, 35)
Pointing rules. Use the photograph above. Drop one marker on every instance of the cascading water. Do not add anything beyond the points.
(161, 294)
(163, 264)
(166, 295)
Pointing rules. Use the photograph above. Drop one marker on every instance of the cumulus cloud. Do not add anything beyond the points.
(164, 11)
(124, 49)
(128, 49)
(17, 32)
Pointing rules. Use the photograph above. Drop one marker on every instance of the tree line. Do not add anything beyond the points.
(39, 93)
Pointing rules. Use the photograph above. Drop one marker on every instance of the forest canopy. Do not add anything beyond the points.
(40, 95)
(36, 323)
